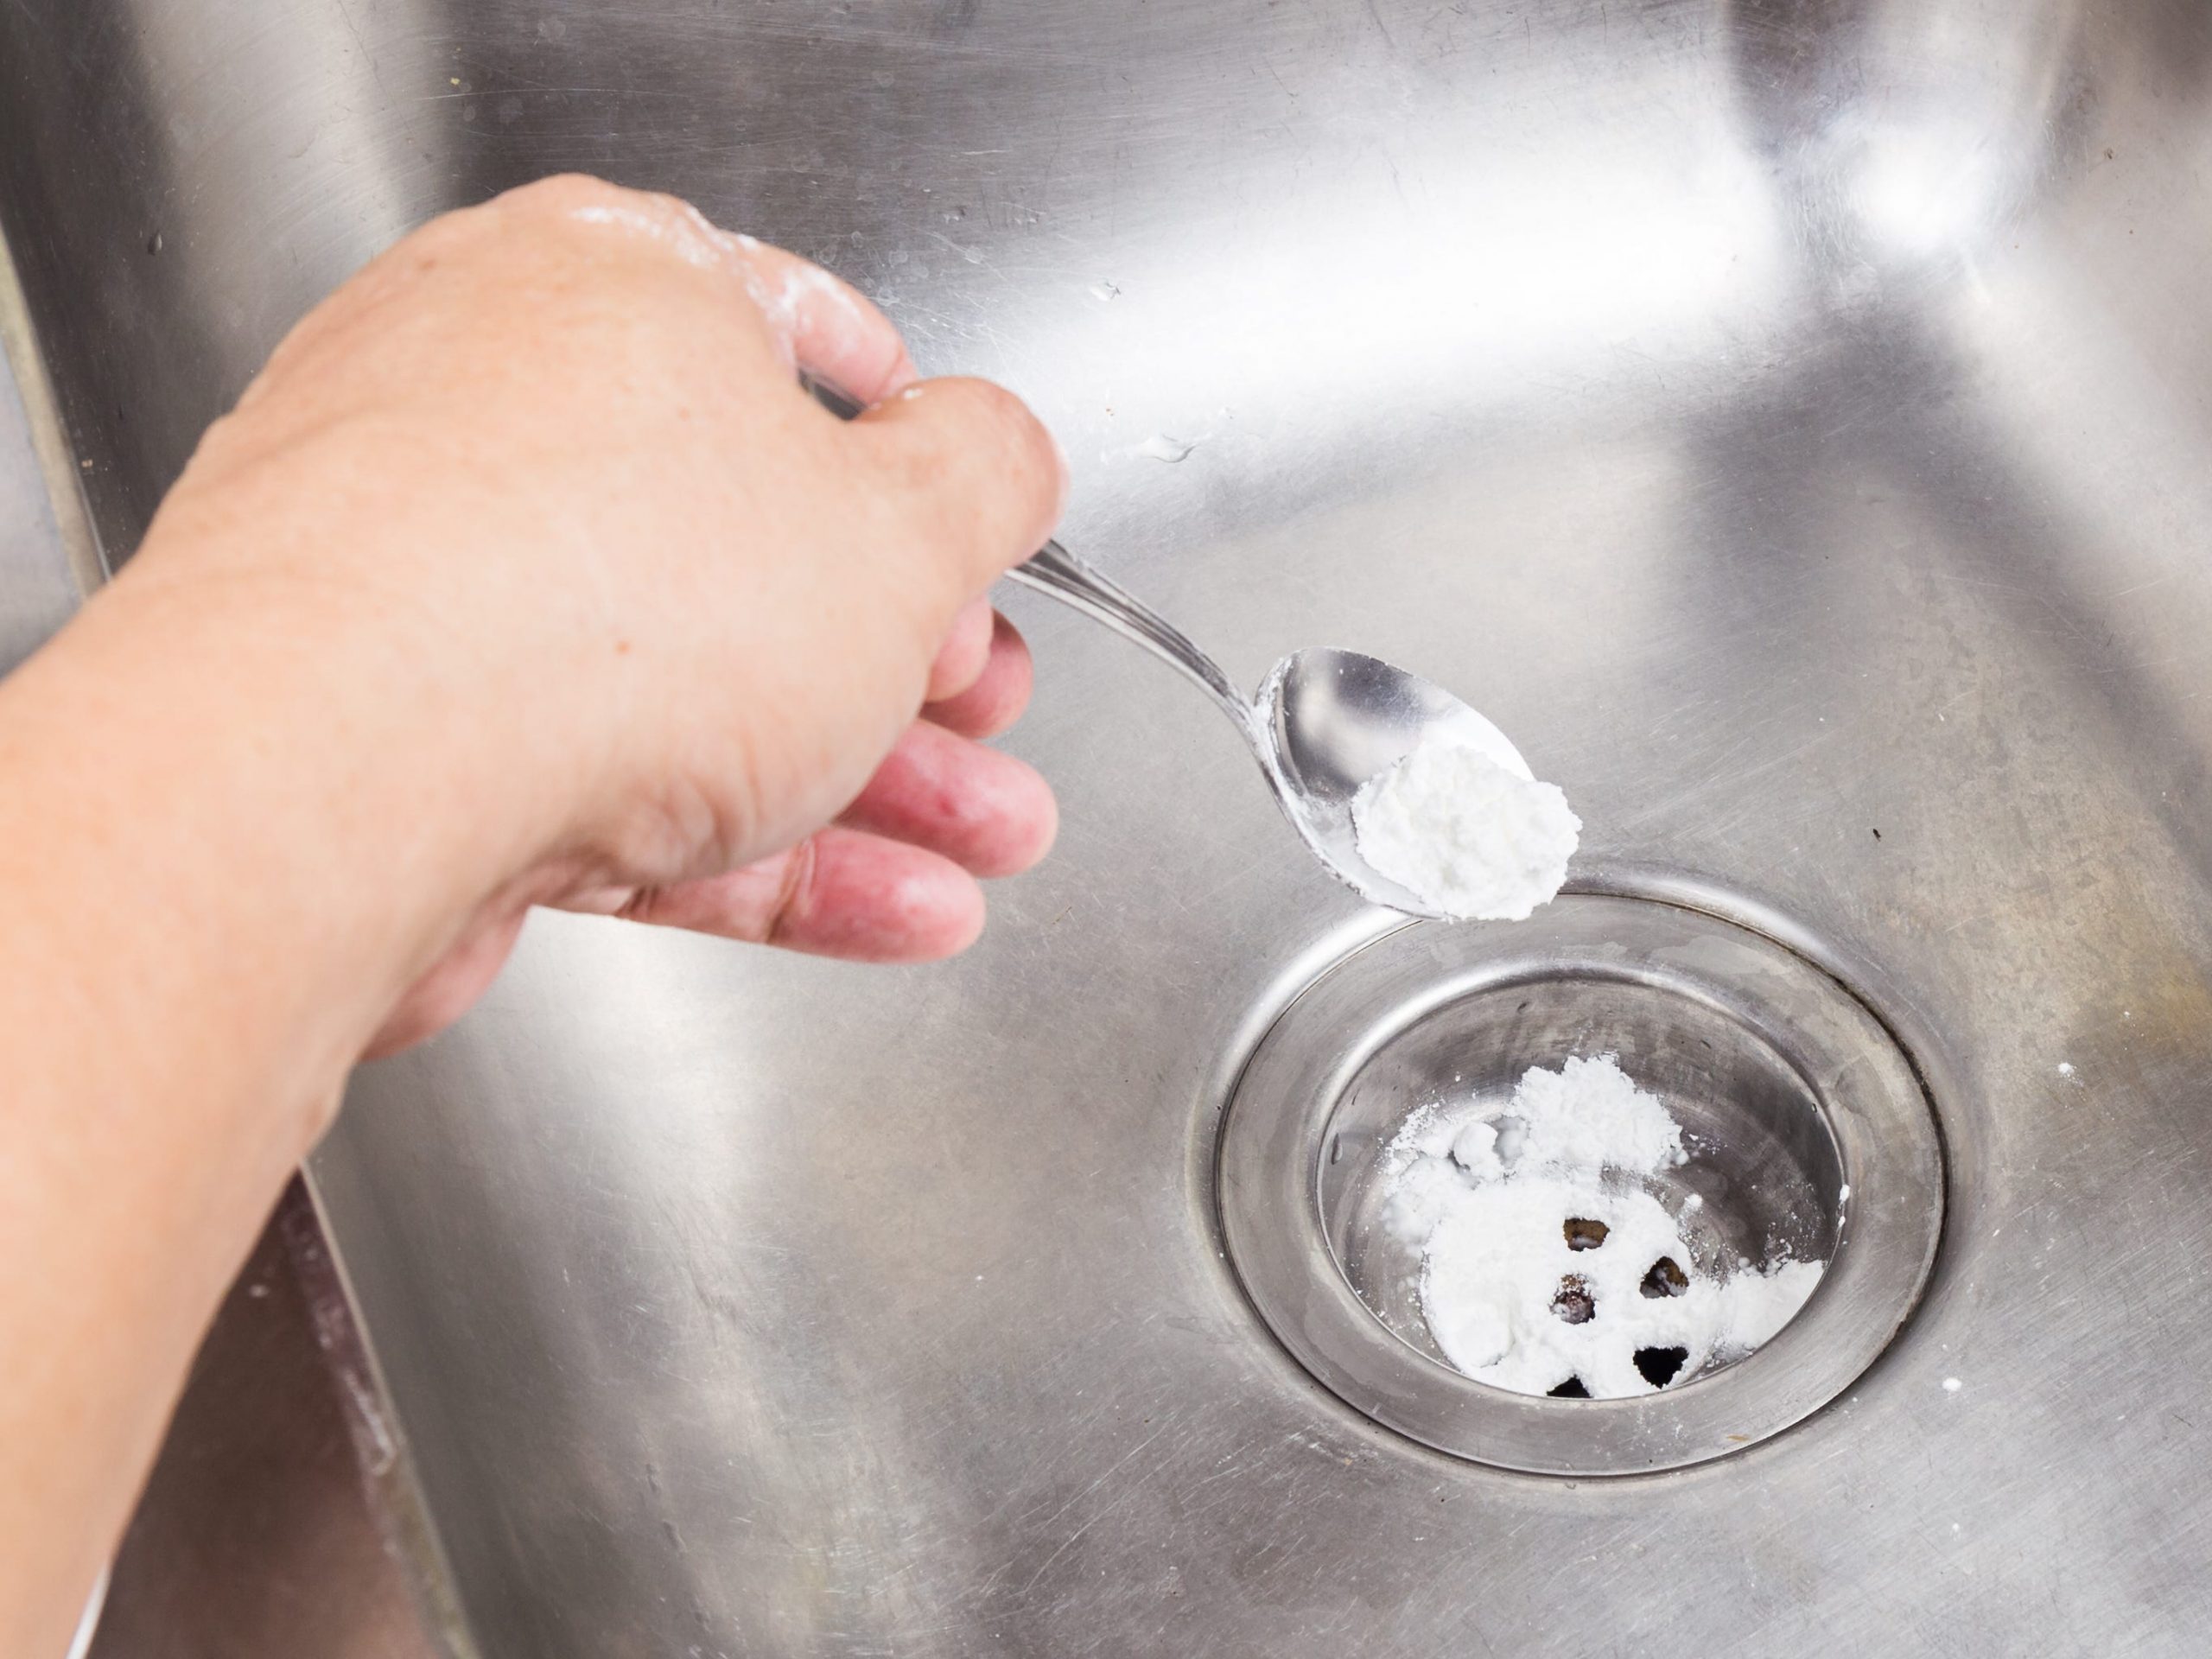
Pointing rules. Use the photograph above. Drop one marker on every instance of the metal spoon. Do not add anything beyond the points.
(1325, 722)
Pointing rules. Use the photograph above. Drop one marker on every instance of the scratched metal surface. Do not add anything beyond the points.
(253, 1539)
(37, 590)
(1789, 420)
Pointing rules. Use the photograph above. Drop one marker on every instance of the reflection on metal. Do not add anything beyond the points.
(41, 589)
(379, 1445)
(1785, 420)
(88, 1626)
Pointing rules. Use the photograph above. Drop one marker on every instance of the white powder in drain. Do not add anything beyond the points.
(1464, 834)
(1547, 1261)
(1761, 1300)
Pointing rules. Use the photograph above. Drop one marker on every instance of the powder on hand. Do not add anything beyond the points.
(1463, 834)
(1543, 1259)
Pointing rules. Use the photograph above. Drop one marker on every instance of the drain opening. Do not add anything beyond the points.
(1585, 1234)
(1782, 1089)
(1574, 1303)
(1580, 1164)
(1665, 1279)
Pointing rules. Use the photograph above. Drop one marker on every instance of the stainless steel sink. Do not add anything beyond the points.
(1787, 420)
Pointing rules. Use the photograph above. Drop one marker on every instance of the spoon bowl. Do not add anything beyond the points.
(1332, 720)
(1325, 722)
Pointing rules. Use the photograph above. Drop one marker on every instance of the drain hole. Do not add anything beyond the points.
(1661, 1366)
(1574, 1303)
(1439, 1259)
(1665, 1279)
(1583, 1234)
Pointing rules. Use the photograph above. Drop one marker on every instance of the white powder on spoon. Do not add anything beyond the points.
(1466, 835)
(1546, 1262)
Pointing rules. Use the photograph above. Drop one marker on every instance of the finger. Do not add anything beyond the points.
(838, 893)
(831, 329)
(999, 693)
(964, 654)
(972, 469)
(988, 812)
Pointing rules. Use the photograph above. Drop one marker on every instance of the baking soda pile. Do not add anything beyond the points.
(1463, 834)
(1547, 1264)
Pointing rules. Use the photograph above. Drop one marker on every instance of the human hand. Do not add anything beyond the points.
(525, 573)
(686, 648)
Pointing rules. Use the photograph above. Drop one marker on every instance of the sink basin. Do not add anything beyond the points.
(1787, 420)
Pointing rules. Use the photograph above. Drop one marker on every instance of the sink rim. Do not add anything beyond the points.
(1873, 1097)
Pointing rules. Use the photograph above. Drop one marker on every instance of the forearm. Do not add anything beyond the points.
(218, 878)
(525, 572)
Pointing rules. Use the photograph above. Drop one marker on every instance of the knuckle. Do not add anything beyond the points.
(793, 898)
(562, 193)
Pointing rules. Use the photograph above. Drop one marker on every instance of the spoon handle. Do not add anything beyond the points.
(1052, 570)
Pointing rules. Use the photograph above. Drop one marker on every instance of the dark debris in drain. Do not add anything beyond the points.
(1665, 1279)
(1574, 1303)
(1584, 1234)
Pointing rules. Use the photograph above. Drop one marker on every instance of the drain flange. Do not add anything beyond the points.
(1793, 1096)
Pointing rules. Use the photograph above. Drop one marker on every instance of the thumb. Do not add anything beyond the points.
(976, 473)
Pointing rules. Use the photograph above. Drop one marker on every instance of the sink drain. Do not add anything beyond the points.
(1809, 1136)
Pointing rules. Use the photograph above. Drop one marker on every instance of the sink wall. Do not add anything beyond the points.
(1787, 420)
